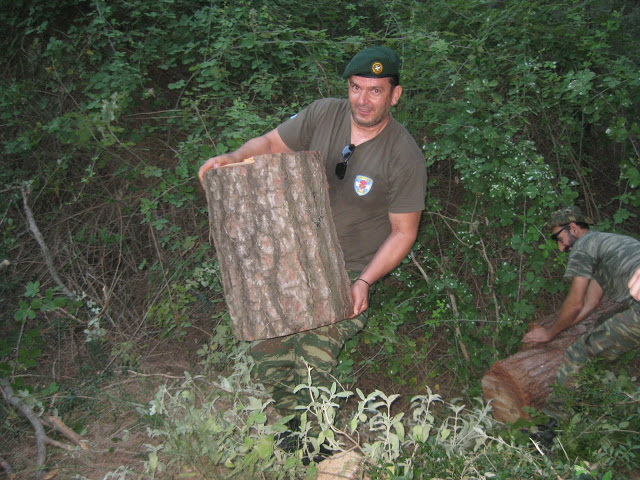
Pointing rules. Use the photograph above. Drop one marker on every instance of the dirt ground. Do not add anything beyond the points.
(105, 413)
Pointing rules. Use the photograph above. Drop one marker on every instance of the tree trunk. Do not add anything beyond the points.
(282, 266)
(525, 379)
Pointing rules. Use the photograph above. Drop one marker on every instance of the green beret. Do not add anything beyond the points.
(373, 62)
(565, 216)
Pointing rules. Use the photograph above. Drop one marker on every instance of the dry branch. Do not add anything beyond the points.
(33, 227)
(33, 418)
(454, 307)
(58, 425)
(38, 424)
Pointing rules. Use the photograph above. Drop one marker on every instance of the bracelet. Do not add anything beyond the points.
(364, 281)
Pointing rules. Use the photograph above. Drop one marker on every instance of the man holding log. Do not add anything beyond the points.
(377, 179)
(599, 264)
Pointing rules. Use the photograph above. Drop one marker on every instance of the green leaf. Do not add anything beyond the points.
(265, 447)
(33, 288)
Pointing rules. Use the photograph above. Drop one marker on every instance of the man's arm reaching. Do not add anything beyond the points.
(584, 296)
(265, 144)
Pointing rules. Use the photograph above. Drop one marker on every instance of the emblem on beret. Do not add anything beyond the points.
(376, 68)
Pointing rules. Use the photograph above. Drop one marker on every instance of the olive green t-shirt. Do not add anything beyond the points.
(386, 174)
(608, 258)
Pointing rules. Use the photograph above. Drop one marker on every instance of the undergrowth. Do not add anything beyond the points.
(227, 429)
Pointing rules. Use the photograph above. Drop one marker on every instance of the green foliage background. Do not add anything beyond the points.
(108, 108)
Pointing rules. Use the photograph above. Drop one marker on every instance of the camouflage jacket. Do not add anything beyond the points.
(608, 258)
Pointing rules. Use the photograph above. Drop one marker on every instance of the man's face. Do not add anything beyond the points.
(371, 99)
(566, 239)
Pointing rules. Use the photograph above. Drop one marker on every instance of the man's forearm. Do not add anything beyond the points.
(262, 145)
(389, 255)
(567, 318)
(252, 148)
(404, 230)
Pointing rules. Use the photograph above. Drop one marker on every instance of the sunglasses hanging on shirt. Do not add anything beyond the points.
(341, 168)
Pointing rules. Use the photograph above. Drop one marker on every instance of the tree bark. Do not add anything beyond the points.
(281, 264)
(526, 378)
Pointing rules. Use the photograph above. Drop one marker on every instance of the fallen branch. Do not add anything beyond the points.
(56, 443)
(28, 412)
(33, 227)
(38, 424)
(58, 425)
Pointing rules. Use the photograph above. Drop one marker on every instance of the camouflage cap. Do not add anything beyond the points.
(565, 216)
(374, 62)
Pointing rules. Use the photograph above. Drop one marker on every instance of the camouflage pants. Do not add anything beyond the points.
(609, 340)
(280, 362)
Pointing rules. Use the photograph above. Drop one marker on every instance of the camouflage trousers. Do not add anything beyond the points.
(609, 340)
(281, 363)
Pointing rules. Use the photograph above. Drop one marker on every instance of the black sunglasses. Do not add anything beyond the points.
(341, 168)
(555, 236)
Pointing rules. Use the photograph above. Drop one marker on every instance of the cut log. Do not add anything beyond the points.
(282, 267)
(342, 466)
(526, 378)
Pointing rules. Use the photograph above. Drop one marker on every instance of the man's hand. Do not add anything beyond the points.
(634, 285)
(214, 162)
(537, 335)
(359, 297)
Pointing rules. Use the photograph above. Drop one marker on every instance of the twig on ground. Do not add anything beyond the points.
(58, 425)
(535, 444)
(28, 412)
(38, 425)
(35, 231)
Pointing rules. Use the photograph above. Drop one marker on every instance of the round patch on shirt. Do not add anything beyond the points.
(362, 185)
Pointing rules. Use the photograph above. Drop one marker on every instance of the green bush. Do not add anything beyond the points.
(109, 108)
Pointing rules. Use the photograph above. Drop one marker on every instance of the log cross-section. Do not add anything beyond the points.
(281, 265)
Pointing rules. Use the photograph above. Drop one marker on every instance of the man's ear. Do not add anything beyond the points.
(395, 94)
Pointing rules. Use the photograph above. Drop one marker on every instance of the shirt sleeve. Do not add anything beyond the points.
(580, 265)
(297, 131)
(409, 185)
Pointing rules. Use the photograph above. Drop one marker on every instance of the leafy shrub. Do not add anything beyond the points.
(606, 423)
